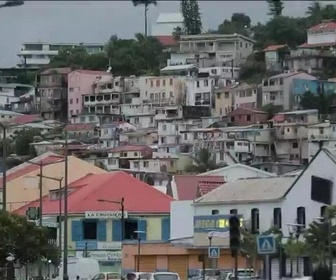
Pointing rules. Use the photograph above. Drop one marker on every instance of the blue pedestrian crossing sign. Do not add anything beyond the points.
(213, 252)
(266, 244)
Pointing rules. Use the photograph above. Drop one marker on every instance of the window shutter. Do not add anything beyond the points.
(77, 230)
(165, 229)
(142, 226)
(101, 230)
(116, 230)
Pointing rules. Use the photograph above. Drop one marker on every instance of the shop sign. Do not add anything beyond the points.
(104, 215)
(105, 255)
(214, 222)
(109, 245)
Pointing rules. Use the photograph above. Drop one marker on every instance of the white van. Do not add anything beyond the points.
(85, 268)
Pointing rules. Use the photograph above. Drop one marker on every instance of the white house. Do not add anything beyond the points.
(283, 202)
(166, 23)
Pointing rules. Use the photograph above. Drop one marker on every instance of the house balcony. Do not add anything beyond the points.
(101, 99)
(318, 137)
(159, 101)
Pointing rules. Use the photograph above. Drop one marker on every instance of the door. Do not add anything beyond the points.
(147, 264)
(179, 265)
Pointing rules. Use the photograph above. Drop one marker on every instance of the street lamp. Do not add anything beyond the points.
(139, 232)
(49, 263)
(297, 230)
(12, 3)
(122, 204)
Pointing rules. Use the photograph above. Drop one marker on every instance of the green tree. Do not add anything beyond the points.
(138, 56)
(23, 140)
(321, 101)
(191, 17)
(69, 57)
(97, 61)
(272, 109)
(177, 33)
(280, 30)
(314, 12)
(146, 4)
(24, 240)
(275, 7)
(239, 23)
(101, 165)
(204, 161)
(294, 249)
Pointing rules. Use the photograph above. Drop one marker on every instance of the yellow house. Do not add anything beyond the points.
(223, 101)
(23, 180)
(95, 225)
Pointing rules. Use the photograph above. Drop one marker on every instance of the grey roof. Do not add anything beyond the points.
(249, 190)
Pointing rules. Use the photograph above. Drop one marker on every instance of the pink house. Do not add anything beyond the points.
(80, 82)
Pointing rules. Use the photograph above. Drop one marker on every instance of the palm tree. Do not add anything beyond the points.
(146, 3)
(314, 12)
(203, 162)
(317, 237)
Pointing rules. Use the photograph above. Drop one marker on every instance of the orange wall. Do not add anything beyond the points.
(163, 250)
(25, 189)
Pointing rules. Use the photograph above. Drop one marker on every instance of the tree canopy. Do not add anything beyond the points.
(191, 17)
(203, 162)
(24, 240)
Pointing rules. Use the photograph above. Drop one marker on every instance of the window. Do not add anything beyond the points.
(323, 211)
(171, 82)
(255, 220)
(145, 164)
(233, 212)
(136, 164)
(164, 127)
(90, 230)
(157, 83)
(197, 84)
(248, 118)
(163, 94)
(206, 83)
(70, 101)
(151, 83)
(215, 212)
(135, 154)
(71, 112)
(321, 130)
(301, 216)
(295, 145)
(164, 82)
(277, 217)
(185, 136)
(71, 89)
(77, 100)
(130, 227)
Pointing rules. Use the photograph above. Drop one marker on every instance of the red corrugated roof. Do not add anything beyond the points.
(79, 126)
(274, 48)
(206, 187)
(139, 197)
(63, 71)
(187, 185)
(307, 46)
(92, 72)
(130, 148)
(324, 26)
(242, 110)
(26, 168)
(166, 40)
(24, 119)
(278, 118)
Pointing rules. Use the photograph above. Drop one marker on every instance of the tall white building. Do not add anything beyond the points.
(38, 54)
(166, 23)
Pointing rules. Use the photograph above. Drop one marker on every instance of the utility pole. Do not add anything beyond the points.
(4, 167)
(65, 242)
(40, 214)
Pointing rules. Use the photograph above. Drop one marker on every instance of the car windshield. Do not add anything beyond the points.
(145, 276)
(163, 276)
(111, 276)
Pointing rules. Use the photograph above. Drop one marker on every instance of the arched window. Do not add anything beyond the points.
(214, 212)
(277, 219)
(301, 216)
(255, 220)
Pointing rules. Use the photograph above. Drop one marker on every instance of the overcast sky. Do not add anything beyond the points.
(95, 21)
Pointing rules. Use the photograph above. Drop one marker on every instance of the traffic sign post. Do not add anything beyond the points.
(213, 252)
(266, 246)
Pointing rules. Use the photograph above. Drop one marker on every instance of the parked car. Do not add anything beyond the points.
(152, 276)
(107, 276)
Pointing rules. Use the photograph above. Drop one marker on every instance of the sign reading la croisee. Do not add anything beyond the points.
(104, 215)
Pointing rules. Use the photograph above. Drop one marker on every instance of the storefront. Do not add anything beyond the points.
(108, 254)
